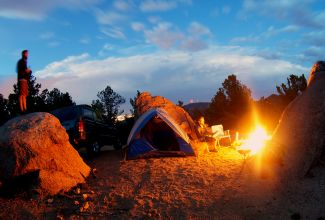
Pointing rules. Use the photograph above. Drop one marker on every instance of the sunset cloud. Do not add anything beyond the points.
(37, 10)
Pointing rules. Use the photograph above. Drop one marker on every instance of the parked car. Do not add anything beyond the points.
(86, 128)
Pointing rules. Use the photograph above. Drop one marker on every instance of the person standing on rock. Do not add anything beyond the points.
(24, 74)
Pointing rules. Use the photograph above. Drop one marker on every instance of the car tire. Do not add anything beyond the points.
(93, 148)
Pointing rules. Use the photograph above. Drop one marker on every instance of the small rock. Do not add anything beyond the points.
(106, 200)
(59, 217)
(85, 206)
(85, 196)
(77, 191)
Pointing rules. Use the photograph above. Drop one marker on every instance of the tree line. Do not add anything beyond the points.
(107, 103)
(233, 105)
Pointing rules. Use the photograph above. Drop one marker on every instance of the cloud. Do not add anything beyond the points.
(226, 9)
(174, 74)
(85, 40)
(316, 38)
(162, 5)
(122, 5)
(62, 67)
(54, 44)
(297, 11)
(268, 54)
(165, 35)
(197, 29)
(105, 50)
(38, 10)
(137, 26)
(157, 5)
(245, 39)
(47, 35)
(6, 84)
(311, 54)
(154, 19)
(193, 44)
(109, 17)
(270, 32)
(113, 32)
(317, 53)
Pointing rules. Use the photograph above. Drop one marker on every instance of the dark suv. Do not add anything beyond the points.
(86, 128)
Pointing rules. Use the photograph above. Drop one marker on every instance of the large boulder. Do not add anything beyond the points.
(146, 101)
(298, 142)
(37, 142)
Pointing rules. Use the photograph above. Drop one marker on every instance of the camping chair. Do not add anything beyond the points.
(219, 133)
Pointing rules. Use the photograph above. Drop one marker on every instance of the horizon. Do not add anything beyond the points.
(182, 50)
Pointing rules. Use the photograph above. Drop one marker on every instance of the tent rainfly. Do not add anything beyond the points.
(156, 134)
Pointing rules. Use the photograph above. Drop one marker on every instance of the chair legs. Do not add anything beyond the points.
(215, 144)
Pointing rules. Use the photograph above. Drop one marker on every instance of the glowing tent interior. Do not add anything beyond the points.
(156, 134)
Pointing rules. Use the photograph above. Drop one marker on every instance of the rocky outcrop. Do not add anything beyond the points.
(38, 143)
(298, 142)
(146, 102)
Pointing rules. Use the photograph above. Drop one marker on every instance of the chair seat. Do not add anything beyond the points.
(219, 134)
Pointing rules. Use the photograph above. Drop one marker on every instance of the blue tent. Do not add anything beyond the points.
(154, 134)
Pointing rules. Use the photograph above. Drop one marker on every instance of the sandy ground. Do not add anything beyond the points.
(215, 185)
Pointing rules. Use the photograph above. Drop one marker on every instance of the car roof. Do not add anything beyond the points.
(72, 106)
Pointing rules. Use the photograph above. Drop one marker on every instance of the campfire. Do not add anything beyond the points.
(255, 142)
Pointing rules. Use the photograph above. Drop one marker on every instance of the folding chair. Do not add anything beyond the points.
(219, 134)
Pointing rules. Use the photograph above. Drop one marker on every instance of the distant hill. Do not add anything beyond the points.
(197, 106)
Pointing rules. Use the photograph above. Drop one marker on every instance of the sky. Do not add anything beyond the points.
(180, 49)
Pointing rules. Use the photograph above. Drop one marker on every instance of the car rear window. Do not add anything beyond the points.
(65, 114)
(87, 113)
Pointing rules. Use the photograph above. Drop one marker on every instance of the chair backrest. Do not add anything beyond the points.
(217, 130)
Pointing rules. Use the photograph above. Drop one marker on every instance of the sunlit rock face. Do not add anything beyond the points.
(146, 102)
(298, 142)
(37, 143)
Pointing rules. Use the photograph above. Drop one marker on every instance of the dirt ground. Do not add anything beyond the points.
(215, 185)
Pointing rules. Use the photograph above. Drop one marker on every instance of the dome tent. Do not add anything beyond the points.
(154, 134)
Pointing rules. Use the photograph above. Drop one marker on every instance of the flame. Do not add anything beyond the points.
(256, 140)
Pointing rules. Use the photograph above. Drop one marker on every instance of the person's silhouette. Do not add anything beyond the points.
(24, 74)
